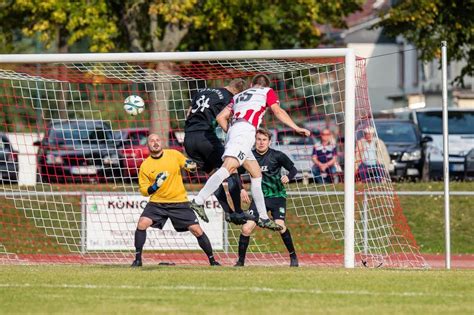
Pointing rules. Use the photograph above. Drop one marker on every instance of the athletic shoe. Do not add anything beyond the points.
(237, 218)
(199, 209)
(239, 264)
(269, 224)
(214, 263)
(249, 216)
(227, 217)
(136, 263)
(294, 262)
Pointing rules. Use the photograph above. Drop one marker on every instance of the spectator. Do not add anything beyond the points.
(372, 158)
(325, 158)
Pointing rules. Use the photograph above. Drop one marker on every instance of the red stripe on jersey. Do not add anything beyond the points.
(248, 114)
(272, 98)
(257, 115)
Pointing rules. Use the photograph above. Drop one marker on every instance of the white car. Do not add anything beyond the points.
(461, 139)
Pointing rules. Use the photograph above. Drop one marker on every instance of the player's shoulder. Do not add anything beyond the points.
(276, 153)
(172, 152)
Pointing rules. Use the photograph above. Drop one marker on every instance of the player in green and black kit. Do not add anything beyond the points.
(271, 161)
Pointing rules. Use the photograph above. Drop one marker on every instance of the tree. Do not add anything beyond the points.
(426, 23)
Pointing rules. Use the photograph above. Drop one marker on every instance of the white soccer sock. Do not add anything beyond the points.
(258, 198)
(211, 185)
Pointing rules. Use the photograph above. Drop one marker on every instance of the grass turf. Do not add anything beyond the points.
(225, 290)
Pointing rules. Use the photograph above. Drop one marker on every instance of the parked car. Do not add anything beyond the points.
(78, 151)
(134, 149)
(461, 138)
(8, 161)
(405, 146)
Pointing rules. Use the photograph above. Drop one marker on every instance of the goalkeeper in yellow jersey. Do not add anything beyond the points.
(160, 178)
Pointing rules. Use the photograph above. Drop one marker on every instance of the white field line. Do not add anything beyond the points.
(232, 289)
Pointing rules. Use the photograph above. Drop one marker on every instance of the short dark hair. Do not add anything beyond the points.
(261, 79)
(265, 132)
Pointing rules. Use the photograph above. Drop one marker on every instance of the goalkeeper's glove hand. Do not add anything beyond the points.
(160, 179)
(190, 165)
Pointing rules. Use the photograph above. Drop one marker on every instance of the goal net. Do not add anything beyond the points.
(69, 159)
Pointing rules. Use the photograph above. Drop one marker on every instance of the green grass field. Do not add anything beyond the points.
(226, 290)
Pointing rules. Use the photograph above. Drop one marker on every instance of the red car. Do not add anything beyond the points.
(134, 150)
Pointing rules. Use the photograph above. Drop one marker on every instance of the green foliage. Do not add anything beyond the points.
(60, 23)
(110, 25)
(235, 24)
(426, 23)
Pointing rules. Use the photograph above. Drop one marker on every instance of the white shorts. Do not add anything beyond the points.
(240, 141)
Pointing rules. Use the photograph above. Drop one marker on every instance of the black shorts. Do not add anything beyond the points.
(180, 214)
(276, 206)
(205, 149)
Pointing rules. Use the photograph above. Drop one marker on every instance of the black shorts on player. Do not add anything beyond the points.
(205, 149)
(276, 206)
(180, 214)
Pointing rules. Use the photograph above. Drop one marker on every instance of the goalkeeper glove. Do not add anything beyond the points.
(160, 179)
(190, 165)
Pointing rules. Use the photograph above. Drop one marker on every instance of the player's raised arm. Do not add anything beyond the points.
(223, 118)
(283, 116)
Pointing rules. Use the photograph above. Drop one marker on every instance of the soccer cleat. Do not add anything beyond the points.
(227, 217)
(199, 209)
(294, 262)
(237, 218)
(269, 224)
(214, 263)
(239, 263)
(136, 263)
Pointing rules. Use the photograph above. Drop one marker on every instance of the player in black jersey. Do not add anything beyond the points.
(203, 146)
(271, 161)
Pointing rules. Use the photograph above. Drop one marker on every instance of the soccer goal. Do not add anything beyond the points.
(70, 154)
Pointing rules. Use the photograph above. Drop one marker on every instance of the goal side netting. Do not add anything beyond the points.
(69, 158)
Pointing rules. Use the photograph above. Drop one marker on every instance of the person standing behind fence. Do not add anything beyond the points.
(372, 158)
(325, 158)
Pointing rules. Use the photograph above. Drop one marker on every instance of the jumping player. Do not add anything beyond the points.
(247, 110)
(203, 146)
(271, 161)
(160, 178)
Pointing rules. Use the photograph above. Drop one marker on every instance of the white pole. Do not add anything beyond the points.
(444, 62)
(173, 56)
(83, 223)
(365, 223)
(349, 151)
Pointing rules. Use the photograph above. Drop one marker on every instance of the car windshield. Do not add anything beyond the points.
(459, 122)
(79, 135)
(396, 132)
(285, 138)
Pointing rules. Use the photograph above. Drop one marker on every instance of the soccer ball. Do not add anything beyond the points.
(134, 105)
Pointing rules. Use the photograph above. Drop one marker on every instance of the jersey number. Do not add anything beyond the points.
(246, 96)
(202, 103)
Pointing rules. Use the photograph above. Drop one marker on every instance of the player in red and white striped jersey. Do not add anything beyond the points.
(246, 110)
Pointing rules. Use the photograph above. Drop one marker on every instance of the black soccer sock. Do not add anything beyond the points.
(222, 198)
(205, 244)
(140, 238)
(243, 245)
(286, 237)
(235, 186)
